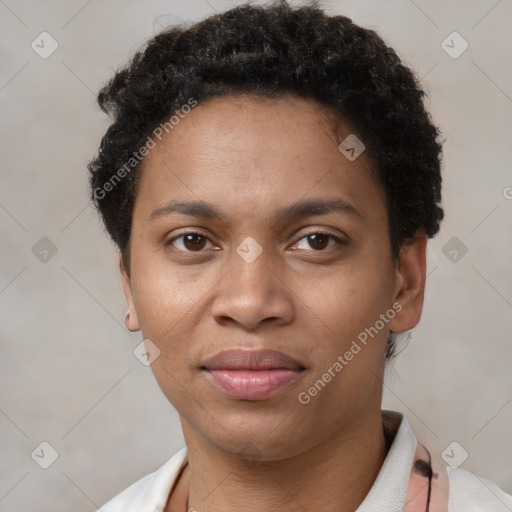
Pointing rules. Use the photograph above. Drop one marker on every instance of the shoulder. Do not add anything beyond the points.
(150, 493)
(472, 493)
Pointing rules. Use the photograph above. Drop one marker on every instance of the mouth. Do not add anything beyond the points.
(246, 374)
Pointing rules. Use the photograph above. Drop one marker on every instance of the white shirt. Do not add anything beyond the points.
(467, 492)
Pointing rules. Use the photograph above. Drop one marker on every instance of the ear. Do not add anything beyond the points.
(131, 320)
(410, 284)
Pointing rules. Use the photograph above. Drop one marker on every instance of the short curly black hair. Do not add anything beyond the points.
(272, 51)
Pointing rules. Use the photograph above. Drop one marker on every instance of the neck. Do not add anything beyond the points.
(335, 475)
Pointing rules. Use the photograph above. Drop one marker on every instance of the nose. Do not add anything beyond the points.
(253, 293)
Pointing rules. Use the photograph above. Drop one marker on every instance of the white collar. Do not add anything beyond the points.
(390, 487)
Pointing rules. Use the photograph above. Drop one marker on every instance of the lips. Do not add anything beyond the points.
(248, 374)
(262, 359)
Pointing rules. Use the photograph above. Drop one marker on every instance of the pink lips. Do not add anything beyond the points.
(246, 374)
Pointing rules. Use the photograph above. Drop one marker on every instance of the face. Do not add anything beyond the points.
(284, 248)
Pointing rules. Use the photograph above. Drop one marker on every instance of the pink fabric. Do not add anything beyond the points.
(419, 497)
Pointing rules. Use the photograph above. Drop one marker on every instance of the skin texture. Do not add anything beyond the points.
(250, 157)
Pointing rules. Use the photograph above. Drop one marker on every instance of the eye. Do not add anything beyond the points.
(319, 241)
(194, 242)
(189, 242)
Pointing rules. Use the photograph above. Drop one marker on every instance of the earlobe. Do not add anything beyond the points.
(410, 284)
(131, 321)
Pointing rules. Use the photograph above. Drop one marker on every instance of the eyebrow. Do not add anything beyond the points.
(300, 209)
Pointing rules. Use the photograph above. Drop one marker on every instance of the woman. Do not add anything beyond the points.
(271, 178)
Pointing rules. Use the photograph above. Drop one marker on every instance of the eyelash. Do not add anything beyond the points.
(339, 241)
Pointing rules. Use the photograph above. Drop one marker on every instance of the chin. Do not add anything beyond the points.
(254, 440)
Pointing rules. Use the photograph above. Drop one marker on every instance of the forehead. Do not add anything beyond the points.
(234, 121)
(258, 153)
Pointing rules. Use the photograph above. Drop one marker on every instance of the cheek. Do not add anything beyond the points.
(346, 308)
(167, 306)
(351, 298)
(164, 297)
(172, 306)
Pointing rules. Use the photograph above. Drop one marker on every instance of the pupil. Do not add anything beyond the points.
(195, 240)
(313, 239)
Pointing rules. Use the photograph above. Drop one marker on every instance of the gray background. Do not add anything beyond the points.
(68, 373)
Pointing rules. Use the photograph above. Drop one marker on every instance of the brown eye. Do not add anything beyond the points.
(189, 242)
(194, 242)
(319, 241)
